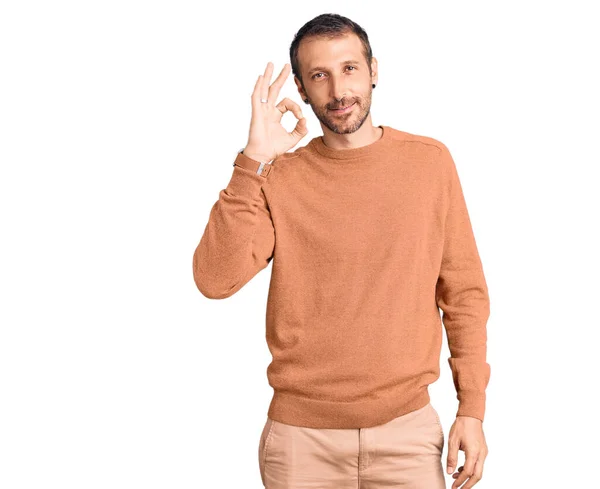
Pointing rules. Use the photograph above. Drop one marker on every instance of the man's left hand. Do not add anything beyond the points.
(466, 434)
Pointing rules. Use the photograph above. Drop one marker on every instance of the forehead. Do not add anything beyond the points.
(324, 52)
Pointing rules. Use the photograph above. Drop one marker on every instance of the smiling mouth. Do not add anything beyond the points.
(343, 109)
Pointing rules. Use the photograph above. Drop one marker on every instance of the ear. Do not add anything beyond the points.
(374, 70)
(300, 90)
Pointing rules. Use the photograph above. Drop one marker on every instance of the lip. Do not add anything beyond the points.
(343, 111)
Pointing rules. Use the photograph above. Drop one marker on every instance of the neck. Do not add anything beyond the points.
(366, 134)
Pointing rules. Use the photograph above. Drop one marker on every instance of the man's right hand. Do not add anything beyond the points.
(268, 139)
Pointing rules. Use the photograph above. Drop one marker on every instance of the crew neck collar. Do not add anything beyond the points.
(345, 154)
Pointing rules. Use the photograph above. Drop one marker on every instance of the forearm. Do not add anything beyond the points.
(238, 239)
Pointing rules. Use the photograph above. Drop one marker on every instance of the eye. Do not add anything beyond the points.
(349, 66)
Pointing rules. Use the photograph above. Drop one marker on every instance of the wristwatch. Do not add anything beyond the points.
(259, 167)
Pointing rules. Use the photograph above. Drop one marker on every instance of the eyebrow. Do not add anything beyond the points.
(347, 62)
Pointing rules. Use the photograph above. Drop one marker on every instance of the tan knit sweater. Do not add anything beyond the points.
(367, 245)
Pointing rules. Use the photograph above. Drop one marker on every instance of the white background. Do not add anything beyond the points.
(119, 124)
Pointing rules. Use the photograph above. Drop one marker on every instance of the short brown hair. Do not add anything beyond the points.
(328, 25)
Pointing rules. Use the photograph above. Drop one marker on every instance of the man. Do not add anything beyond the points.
(370, 237)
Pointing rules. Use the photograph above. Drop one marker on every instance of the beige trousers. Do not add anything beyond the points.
(404, 452)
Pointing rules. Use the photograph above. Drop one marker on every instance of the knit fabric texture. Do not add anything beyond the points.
(373, 252)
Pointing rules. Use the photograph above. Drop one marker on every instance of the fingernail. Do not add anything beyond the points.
(450, 470)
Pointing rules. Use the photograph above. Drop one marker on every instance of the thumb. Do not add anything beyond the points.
(300, 130)
(452, 458)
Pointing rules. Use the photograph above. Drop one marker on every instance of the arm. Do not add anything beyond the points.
(239, 238)
(462, 294)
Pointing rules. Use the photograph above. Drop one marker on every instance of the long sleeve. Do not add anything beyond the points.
(462, 294)
(239, 238)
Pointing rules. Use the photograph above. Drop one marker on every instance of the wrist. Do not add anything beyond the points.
(256, 155)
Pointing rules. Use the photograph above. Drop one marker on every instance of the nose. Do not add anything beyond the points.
(337, 90)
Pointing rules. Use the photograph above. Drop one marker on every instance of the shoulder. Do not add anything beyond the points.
(287, 157)
(287, 164)
(418, 142)
(284, 170)
(432, 148)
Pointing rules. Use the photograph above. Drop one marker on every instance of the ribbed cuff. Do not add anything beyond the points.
(471, 403)
(245, 181)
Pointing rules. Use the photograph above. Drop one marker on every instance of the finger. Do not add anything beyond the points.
(256, 92)
(452, 458)
(275, 88)
(264, 89)
(300, 130)
(288, 104)
(471, 458)
(477, 474)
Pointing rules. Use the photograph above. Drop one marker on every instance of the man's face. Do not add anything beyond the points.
(336, 75)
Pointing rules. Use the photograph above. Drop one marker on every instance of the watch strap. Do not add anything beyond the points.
(259, 167)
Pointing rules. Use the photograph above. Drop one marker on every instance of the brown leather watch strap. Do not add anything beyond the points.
(258, 167)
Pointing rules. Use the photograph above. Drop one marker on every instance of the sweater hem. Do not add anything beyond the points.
(318, 413)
